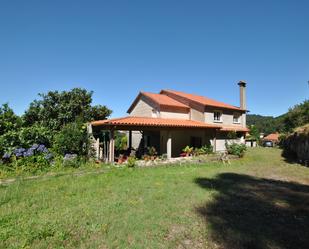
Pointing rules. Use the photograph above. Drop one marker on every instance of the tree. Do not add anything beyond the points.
(72, 139)
(9, 121)
(56, 109)
(297, 116)
(254, 133)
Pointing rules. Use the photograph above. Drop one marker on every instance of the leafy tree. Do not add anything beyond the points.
(254, 133)
(56, 109)
(9, 121)
(297, 116)
(72, 139)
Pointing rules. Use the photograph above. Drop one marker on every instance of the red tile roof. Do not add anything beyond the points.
(272, 137)
(162, 122)
(201, 99)
(163, 101)
(153, 122)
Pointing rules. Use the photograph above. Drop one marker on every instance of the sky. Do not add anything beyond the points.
(118, 48)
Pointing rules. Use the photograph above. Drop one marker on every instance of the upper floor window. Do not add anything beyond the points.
(217, 116)
(236, 118)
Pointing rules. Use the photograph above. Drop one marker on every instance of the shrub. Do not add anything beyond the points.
(131, 163)
(24, 138)
(163, 156)
(152, 151)
(35, 135)
(72, 160)
(72, 139)
(35, 158)
(206, 149)
(121, 141)
(236, 149)
(188, 150)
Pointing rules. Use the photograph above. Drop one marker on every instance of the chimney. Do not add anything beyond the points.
(242, 88)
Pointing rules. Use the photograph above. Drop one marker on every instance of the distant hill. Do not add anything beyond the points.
(265, 124)
(296, 116)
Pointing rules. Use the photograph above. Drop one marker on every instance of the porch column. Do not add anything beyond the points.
(111, 146)
(169, 144)
(130, 141)
(215, 141)
(97, 148)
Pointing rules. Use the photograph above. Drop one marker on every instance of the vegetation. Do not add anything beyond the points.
(188, 150)
(236, 149)
(56, 121)
(296, 145)
(57, 109)
(131, 162)
(73, 138)
(295, 117)
(260, 201)
(263, 124)
(121, 141)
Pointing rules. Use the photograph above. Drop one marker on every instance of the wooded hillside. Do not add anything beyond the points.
(296, 116)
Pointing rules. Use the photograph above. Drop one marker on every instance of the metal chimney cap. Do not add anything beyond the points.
(242, 83)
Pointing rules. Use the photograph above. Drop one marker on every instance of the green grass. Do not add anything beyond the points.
(260, 201)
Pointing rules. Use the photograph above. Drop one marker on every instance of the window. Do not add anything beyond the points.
(236, 118)
(217, 116)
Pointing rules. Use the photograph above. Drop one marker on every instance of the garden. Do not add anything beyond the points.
(259, 201)
(51, 135)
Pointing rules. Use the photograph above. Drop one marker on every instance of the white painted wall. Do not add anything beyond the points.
(174, 115)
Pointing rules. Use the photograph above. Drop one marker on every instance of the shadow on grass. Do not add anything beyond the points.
(291, 158)
(250, 212)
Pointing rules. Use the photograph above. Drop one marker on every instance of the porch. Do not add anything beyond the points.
(168, 136)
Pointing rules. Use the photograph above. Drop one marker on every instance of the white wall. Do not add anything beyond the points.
(174, 115)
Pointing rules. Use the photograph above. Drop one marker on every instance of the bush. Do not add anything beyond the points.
(131, 163)
(206, 149)
(236, 149)
(121, 141)
(72, 139)
(188, 150)
(33, 159)
(25, 138)
(35, 135)
(152, 151)
(73, 161)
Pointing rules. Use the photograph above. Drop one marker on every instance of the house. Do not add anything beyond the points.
(171, 120)
(272, 138)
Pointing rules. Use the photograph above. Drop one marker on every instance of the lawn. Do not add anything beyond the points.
(260, 201)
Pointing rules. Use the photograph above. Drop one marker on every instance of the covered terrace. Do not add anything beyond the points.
(143, 124)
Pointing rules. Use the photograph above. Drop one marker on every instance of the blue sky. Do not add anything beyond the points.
(118, 48)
